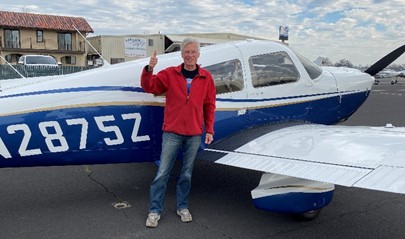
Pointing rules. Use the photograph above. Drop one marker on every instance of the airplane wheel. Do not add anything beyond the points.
(310, 215)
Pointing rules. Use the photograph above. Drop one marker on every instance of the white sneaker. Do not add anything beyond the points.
(152, 220)
(185, 215)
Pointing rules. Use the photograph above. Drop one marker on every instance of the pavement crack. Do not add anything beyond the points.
(210, 228)
(118, 201)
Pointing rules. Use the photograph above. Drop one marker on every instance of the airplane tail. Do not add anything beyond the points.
(385, 61)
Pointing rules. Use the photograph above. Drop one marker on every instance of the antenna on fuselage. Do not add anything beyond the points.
(12, 66)
(98, 53)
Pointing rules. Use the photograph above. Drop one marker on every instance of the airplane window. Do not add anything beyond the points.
(227, 76)
(313, 70)
(272, 69)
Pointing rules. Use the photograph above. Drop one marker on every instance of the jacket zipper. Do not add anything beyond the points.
(187, 90)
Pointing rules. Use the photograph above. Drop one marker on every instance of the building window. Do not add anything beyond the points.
(9, 58)
(65, 41)
(150, 41)
(117, 60)
(40, 36)
(71, 60)
(12, 38)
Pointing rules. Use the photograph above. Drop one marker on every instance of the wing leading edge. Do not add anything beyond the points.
(364, 157)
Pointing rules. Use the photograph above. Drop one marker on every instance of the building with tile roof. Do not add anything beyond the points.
(30, 33)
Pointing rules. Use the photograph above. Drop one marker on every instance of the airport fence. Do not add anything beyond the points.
(6, 72)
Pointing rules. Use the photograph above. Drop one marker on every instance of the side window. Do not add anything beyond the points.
(228, 76)
(272, 69)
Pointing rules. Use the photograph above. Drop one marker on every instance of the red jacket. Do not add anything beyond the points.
(184, 113)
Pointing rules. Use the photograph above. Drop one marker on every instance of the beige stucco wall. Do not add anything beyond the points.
(49, 46)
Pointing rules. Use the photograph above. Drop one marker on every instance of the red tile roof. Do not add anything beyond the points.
(43, 22)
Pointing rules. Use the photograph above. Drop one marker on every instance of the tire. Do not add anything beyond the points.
(308, 216)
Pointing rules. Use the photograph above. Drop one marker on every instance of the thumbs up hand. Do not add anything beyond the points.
(153, 61)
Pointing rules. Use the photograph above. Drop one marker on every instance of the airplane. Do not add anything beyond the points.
(276, 113)
(389, 74)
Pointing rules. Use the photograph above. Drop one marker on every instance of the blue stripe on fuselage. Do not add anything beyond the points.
(139, 89)
(282, 98)
(78, 89)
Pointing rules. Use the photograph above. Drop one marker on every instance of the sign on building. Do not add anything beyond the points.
(135, 47)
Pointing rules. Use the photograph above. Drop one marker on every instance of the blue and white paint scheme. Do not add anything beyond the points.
(273, 108)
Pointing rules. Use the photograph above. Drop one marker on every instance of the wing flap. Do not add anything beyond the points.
(336, 174)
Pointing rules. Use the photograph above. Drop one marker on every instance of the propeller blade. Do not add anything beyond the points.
(385, 61)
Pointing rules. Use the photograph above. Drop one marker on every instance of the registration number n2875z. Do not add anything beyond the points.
(56, 141)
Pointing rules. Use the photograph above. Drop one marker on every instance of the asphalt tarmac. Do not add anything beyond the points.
(81, 201)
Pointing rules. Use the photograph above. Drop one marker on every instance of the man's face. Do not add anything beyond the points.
(190, 54)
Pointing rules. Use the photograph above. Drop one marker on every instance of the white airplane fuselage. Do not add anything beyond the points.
(104, 116)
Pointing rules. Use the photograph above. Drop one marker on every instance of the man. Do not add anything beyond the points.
(190, 105)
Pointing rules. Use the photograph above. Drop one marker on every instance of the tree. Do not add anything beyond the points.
(344, 63)
(326, 62)
(396, 67)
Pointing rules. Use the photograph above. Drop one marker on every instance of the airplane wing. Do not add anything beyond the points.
(364, 157)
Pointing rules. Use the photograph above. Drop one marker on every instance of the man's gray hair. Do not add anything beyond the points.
(187, 41)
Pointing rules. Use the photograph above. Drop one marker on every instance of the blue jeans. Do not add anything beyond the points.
(170, 146)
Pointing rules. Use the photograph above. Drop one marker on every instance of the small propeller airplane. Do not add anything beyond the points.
(390, 75)
(275, 114)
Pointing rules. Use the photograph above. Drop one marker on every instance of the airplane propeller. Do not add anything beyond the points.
(385, 61)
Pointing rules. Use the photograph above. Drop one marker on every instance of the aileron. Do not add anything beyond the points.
(384, 178)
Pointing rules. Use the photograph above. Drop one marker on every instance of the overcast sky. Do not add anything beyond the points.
(361, 31)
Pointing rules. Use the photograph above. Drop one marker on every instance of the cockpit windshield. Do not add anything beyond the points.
(313, 70)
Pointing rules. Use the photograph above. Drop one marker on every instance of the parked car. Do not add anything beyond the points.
(38, 65)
